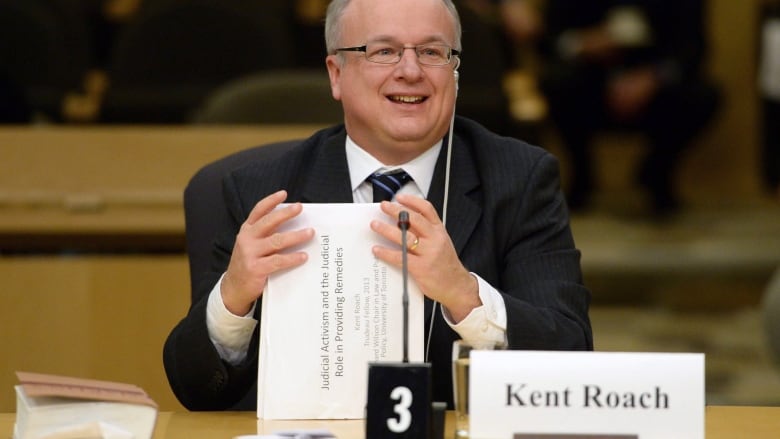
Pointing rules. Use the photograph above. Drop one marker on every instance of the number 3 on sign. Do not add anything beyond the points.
(404, 397)
(399, 401)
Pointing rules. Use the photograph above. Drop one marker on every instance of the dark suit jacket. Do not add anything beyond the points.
(507, 220)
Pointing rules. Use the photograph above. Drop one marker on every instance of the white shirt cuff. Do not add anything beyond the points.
(486, 323)
(231, 334)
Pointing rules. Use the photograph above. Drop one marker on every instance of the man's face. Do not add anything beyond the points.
(394, 111)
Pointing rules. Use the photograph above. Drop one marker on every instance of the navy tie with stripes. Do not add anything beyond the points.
(386, 185)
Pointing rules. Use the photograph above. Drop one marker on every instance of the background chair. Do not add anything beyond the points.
(301, 96)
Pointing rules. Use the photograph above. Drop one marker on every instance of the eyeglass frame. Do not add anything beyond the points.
(364, 49)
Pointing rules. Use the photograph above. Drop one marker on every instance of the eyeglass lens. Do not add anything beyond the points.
(429, 54)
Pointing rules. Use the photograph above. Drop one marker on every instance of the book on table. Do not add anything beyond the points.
(53, 406)
(322, 323)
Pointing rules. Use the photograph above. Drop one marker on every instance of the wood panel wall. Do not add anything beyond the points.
(100, 317)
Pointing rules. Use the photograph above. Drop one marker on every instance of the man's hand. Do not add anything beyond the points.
(629, 93)
(433, 262)
(257, 252)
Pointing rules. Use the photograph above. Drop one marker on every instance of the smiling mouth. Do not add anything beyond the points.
(408, 99)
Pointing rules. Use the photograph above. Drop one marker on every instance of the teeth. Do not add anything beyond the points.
(408, 99)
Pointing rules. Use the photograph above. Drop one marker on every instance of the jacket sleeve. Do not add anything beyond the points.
(199, 378)
(546, 300)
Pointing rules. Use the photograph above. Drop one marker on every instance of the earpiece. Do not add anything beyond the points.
(457, 76)
(455, 72)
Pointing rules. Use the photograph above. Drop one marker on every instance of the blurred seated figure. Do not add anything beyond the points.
(173, 53)
(519, 22)
(307, 20)
(44, 54)
(769, 84)
(481, 94)
(501, 88)
(106, 19)
(629, 65)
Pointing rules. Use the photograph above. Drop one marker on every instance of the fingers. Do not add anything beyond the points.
(424, 221)
(392, 233)
(426, 234)
(419, 206)
(265, 217)
(261, 234)
(266, 205)
(260, 250)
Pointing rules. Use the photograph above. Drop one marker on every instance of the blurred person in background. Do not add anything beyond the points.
(769, 84)
(627, 64)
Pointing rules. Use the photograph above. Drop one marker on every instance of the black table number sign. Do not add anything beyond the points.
(399, 401)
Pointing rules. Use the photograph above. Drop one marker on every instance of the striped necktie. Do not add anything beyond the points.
(386, 185)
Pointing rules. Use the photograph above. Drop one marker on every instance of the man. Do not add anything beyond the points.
(627, 64)
(505, 268)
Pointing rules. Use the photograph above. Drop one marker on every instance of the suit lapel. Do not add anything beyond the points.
(328, 182)
(463, 211)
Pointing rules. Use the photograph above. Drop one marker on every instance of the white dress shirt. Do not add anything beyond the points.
(231, 334)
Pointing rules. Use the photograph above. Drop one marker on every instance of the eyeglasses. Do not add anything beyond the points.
(387, 53)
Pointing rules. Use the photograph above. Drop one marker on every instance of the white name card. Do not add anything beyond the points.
(519, 394)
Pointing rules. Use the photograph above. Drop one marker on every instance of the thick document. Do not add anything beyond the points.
(52, 406)
(323, 322)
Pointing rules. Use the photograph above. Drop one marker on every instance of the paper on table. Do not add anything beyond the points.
(322, 323)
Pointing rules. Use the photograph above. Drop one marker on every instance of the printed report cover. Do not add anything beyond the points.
(323, 322)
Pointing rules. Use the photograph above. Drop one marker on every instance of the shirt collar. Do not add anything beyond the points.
(362, 164)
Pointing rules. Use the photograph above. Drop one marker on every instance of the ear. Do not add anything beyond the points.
(333, 63)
